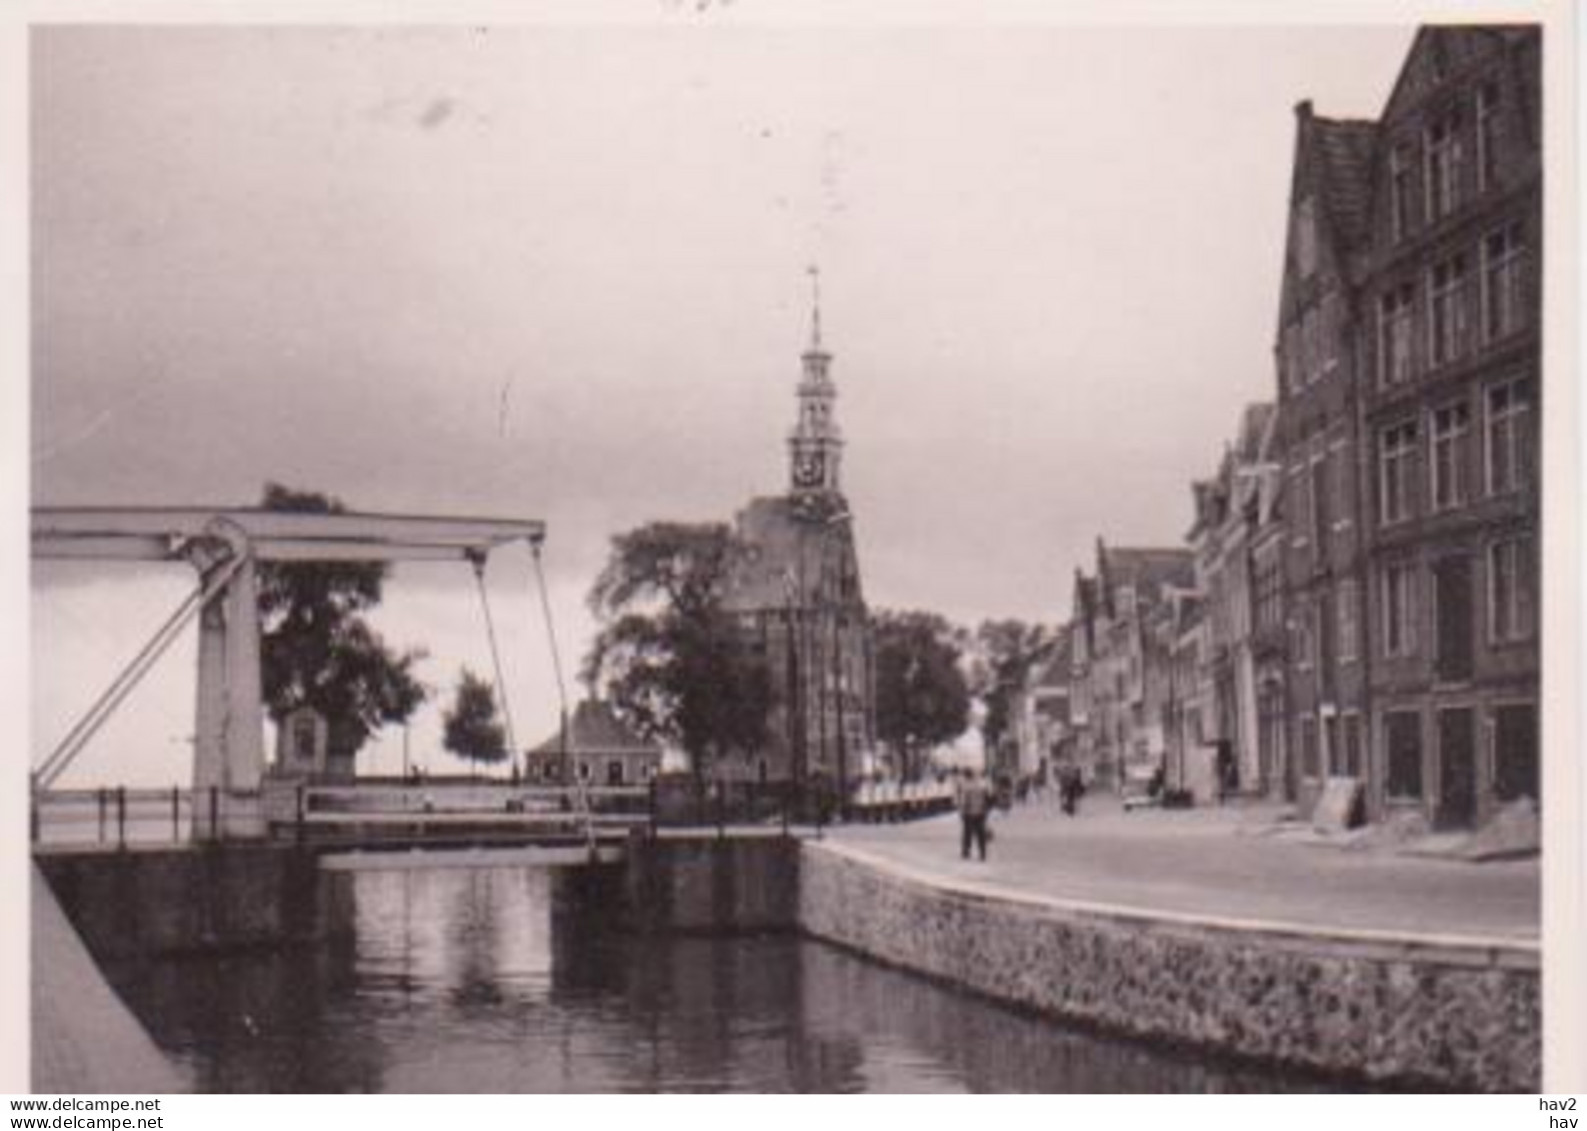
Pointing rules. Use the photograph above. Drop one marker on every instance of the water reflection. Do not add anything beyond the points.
(487, 980)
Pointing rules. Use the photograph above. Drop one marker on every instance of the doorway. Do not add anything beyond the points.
(1457, 770)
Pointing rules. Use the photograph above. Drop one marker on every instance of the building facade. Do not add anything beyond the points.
(1041, 717)
(796, 592)
(1228, 511)
(1319, 437)
(1123, 661)
(1450, 392)
(598, 748)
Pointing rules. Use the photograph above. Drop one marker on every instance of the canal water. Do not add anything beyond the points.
(475, 980)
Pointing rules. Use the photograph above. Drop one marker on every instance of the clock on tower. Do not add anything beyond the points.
(808, 469)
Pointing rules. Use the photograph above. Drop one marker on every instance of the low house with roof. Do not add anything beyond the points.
(596, 747)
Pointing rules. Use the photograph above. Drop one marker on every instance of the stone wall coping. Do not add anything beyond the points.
(1356, 942)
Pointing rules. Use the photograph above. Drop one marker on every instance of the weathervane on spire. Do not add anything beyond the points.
(815, 306)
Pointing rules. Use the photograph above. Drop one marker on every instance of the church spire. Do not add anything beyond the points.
(815, 446)
(815, 308)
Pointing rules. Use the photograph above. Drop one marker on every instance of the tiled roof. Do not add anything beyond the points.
(1343, 153)
(1254, 425)
(767, 575)
(1149, 569)
(770, 573)
(595, 728)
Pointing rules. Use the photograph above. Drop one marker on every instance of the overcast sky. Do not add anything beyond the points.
(561, 273)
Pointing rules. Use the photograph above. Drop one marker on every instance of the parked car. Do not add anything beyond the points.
(1142, 787)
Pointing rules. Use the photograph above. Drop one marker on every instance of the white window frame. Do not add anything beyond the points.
(1349, 629)
(1514, 418)
(1447, 436)
(1521, 604)
(1400, 191)
(1447, 310)
(1305, 638)
(1489, 101)
(1399, 609)
(1441, 166)
(1402, 457)
(1503, 282)
(1319, 531)
(1396, 333)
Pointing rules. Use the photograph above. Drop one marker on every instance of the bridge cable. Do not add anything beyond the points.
(556, 656)
(478, 562)
(66, 751)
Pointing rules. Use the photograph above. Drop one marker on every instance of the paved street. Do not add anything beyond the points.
(1235, 862)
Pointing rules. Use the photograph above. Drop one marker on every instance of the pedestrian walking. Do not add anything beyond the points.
(975, 805)
(1070, 787)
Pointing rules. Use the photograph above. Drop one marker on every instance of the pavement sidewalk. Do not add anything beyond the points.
(1233, 862)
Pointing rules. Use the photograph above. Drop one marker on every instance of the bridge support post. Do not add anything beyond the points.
(228, 732)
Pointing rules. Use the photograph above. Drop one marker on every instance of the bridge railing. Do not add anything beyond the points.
(684, 802)
(129, 817)
(123, 817)
(440, 809)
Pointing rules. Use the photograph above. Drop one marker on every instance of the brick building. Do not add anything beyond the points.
(1330, 232)
(1122, 660)
(796, 591)
(1450, 405)
(1229, 509)
(1408, 383)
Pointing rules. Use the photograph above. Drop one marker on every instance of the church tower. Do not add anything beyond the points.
(815, 446)
(796, 594)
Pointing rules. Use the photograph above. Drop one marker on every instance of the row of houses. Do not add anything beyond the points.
(1356, 594)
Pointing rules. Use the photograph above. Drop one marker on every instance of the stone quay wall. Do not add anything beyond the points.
(142, 902)
(1443, 1013)
(709, 885)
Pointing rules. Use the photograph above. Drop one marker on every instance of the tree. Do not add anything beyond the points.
(922, 698)
(472, 728)
(317, 650)
(1006, 650)
(669, 657)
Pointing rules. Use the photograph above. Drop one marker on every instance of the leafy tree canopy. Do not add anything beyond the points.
(922, 697)
(471, 727)
(1005, 652)
(317, 650)
(671, 660)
